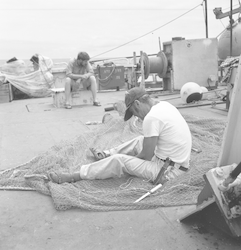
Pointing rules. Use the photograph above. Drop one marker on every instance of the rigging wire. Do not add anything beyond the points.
(228, 8)
(222, 23)
(148, 32)
(220, 33)
(203, 9)
(234, 21)
(225, 29)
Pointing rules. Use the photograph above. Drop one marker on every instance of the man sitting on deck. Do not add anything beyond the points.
(166, 135)
(80, 71)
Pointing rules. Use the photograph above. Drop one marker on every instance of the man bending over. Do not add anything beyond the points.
(166, 135)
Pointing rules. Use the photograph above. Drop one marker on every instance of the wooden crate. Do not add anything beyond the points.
(59, 78)
(82, 97)
(4, 93)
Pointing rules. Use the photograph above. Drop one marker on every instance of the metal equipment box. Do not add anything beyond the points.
(110, 77)
(193, 60)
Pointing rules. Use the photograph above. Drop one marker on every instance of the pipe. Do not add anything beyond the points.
(231, 27)
(206, 18)
(197, 105)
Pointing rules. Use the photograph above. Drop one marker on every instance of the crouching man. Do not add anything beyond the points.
(79, 71)
(166, 136)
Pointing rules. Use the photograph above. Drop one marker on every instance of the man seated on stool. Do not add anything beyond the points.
(79, 71)
(165, 135)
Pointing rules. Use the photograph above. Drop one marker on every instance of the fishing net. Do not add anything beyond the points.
(34, 84)
(117, 194)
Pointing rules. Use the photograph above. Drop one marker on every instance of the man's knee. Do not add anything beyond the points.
(90, 83)
(68, 82)
(117, 158)
(92, 79)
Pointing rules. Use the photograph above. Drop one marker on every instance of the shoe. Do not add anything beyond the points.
(59, 178)
(68, 106)
(98, 154)
(96, 104)
(55, 177)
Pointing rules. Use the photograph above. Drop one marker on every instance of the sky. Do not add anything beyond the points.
(102, 28)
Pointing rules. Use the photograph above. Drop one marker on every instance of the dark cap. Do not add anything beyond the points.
(130, 96)
(34, 59)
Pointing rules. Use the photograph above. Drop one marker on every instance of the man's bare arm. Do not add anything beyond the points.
(73, 76)
(79, 76)
(90, 71)
(149, 145)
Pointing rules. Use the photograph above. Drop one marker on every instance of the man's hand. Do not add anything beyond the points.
(77, 76)
(84, 77)
(149, 145)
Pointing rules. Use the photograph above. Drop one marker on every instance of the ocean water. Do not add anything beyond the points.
(118, 61)
(27, 61)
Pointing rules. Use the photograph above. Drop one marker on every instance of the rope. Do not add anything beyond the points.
(148, 32)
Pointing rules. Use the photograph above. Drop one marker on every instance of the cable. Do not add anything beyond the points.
(225, 29)
(234, 21)
(148, 32)
(228, 8)
(220, 33)
(203, 9)
(222, 23)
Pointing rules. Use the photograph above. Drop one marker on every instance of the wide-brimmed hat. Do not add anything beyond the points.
(130, 96)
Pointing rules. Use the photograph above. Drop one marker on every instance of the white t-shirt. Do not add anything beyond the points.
(175, 141)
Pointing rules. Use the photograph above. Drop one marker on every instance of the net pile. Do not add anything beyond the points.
(34, 84)
(117, 194)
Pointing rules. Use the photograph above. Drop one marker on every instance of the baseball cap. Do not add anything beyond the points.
(130, 96)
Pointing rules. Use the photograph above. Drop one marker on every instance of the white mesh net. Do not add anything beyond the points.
(117, 194)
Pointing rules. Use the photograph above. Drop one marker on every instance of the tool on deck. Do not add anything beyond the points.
(196, 150)
(159, 179)
(149, 192)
